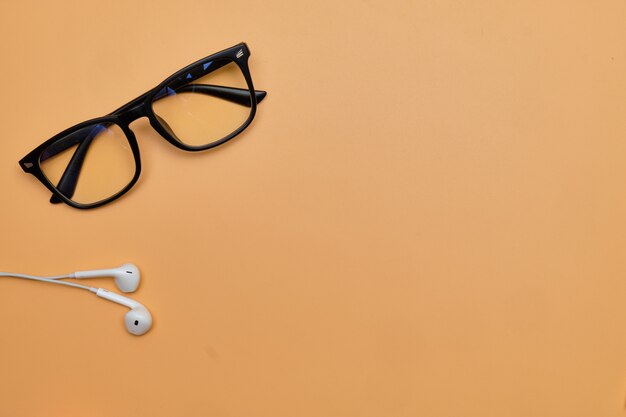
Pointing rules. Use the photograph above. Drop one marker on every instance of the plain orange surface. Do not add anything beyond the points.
(426, 218)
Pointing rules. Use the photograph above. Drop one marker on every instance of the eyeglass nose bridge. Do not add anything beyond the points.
(126, 117)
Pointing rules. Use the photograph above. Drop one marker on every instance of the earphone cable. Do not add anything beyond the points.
(51, 280)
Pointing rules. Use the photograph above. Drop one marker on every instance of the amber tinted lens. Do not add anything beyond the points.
(206, 104)
(90, 164)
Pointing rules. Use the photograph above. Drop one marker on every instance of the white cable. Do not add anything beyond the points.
(51, 280)
(56, 276)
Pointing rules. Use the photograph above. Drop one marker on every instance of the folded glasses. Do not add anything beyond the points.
(199, 107)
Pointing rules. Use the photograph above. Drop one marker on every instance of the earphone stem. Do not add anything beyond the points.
(117, 298)
(93, 273)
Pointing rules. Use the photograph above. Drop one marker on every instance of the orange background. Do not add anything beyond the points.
(427, 216)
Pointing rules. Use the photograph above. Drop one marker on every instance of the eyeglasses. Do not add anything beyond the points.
(199, 107)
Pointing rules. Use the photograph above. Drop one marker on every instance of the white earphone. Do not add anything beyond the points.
(126, 276)
(138, 320)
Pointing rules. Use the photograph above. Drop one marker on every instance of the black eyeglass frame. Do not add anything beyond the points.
(142, 107)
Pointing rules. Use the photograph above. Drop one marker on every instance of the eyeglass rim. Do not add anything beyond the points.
(36, 170)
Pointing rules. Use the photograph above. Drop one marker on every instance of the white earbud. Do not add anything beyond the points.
(126, 276)
(138, 320)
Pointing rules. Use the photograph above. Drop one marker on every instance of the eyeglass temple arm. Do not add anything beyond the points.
(69, 179)
(61, 145)
(233, 94)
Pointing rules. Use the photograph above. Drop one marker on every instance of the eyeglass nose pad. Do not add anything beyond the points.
(167, 127)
